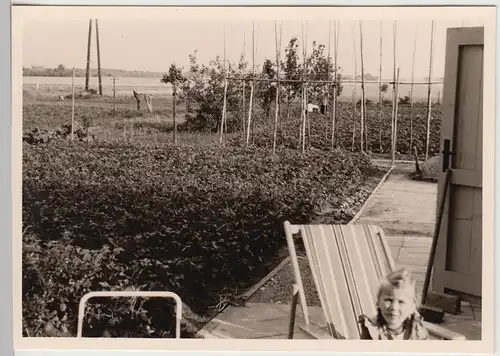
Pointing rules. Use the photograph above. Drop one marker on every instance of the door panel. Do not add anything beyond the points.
(458, 256)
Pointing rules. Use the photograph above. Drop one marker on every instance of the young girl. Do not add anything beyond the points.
(397, 317)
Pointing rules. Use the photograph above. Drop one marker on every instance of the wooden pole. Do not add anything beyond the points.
(380, 103)
(362, 117)
(429, 103)
(253, 102)
(98, 57)
(308, 119)
(412, 109)
(250, 105)
(276, 111)
(304, 88)
(89, 41)
(300, 119)
(293, 311)
(335, 86)
(394, 37)
(354, 91)
(328, 78)
(223, 117)
(244, 88)
(256, 77)
(335, 93)
(394, 94)
(174, 109)
(392, 124)
(396, 118)
(437, 227)
(114, 97)
(73, 106)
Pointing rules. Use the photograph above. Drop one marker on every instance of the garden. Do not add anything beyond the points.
(132, 209)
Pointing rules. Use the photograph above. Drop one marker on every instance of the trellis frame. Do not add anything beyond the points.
(333, 84)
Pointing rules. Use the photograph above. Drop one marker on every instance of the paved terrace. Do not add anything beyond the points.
(405, 209)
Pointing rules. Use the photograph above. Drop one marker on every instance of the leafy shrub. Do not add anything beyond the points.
(204, 93)
(204, 87)
(37, 136)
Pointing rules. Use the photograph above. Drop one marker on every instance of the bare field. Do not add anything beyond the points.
(125, 85)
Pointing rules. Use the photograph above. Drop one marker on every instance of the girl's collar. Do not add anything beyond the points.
(377, 326)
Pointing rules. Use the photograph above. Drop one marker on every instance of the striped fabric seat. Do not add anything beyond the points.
(347, 263)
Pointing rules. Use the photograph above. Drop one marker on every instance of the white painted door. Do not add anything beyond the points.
(458, 262)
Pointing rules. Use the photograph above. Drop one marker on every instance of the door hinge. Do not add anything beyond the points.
(446, 154)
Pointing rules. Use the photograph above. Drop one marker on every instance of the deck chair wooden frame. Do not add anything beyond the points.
(347, 262)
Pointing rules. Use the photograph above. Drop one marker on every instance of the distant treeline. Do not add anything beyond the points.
(61, 71)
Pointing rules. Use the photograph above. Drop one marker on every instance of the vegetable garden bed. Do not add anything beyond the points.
(198, 221)
(279, 288)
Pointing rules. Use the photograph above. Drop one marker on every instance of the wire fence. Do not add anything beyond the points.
(153, 86)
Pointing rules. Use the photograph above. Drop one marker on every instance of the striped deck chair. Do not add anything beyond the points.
(347, 263)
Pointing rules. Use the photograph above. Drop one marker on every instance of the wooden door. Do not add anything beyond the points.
(458, 262)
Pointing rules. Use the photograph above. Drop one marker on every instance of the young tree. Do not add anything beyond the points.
(174, 77)
(292, 70)
(60, 70)
(383, 90)
(243, 71)
(320, 68)
(267, 90)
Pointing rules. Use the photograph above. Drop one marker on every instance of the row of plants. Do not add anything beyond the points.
(193, 220)
(49, 116)
(319, 130)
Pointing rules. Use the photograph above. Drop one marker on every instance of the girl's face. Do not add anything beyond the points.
(396, 305)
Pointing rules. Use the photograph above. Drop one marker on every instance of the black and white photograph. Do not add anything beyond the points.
(259, 177)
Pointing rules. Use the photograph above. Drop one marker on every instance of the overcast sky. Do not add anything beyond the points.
(153, 44)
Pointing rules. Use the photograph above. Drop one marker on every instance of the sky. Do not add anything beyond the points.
(153, 44)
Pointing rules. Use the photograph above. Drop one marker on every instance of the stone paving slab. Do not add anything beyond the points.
(261, 321)
(403, 205)
(477, 313)
(471, 329)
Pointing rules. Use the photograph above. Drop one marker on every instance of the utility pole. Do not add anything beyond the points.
(87, 73)
(98, 57)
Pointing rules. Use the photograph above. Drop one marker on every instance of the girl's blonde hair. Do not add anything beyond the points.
(399, 279)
